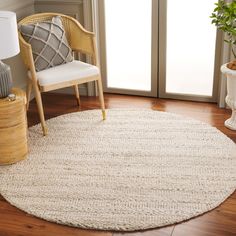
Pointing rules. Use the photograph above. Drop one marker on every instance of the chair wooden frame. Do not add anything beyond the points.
(80, 40)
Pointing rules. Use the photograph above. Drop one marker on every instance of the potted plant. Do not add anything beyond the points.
(224, 18)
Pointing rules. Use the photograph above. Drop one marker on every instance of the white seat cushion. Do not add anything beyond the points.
(74, 70)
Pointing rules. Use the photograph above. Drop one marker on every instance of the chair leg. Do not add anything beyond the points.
(76, 87)
(28, 93)
(101, 98)
(40, 108)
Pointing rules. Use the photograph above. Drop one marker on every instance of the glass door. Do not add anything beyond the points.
(128, 42)
(159, 48)
(188, 50)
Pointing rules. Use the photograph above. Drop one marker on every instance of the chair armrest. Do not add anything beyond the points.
(81, 40)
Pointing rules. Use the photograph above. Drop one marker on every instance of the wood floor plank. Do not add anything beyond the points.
(165, 231)
(219, 222)
(14, 222)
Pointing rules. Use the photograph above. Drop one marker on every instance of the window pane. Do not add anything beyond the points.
(128, 43)
(190, 47)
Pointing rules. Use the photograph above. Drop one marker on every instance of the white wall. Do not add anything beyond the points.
(74, 8)
(22, 9)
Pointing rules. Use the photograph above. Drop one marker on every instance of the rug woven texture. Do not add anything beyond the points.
(139, 169)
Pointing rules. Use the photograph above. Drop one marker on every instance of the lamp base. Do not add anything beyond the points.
(5, 80)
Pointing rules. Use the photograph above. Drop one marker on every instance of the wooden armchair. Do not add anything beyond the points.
(81, 41)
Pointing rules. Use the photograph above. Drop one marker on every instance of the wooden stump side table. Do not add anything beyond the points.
(13, 128)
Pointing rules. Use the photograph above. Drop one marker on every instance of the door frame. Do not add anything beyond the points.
(159, 49)
(162, 62)
(100, 17)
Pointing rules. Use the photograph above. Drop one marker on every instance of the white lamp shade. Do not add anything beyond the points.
(9, 41)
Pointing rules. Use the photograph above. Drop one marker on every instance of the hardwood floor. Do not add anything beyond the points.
(219, 222)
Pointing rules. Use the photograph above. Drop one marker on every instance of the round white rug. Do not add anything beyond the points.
(139, 169)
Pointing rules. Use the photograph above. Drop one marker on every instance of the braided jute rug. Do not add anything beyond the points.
(139, 169)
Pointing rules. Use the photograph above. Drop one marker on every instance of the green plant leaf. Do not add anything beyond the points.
(224, 18)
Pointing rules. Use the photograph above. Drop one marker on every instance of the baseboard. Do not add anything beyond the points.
(82, 91)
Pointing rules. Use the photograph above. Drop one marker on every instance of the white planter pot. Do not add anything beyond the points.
(231, 95)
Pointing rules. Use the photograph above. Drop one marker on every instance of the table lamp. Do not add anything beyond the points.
(9, 47)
